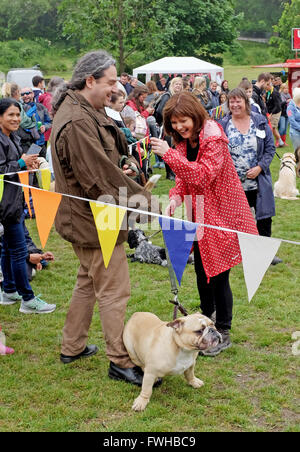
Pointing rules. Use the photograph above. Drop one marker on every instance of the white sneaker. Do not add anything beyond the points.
(9, 298)
(36, 306)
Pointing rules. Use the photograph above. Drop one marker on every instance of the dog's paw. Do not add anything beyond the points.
(196, 383)
(139, 404)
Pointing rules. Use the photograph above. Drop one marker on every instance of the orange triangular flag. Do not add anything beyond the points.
(24, 179)
(45, 206)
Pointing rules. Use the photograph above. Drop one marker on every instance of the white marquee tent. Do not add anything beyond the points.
(181, 65)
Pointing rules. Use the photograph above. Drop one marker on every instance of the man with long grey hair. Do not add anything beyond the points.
(87, 149)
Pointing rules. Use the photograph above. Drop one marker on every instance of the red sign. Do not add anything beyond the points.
(296, 39)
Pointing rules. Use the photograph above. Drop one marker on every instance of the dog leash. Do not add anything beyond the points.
(174, 289)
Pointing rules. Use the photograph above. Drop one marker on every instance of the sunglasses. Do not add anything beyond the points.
(26, 93)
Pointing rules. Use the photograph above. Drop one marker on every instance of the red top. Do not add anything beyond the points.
(223, 202)
(46, 99)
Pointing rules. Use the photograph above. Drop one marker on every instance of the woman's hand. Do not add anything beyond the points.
(31, 161)
(159, 147)
(170, 209)
(252, 173)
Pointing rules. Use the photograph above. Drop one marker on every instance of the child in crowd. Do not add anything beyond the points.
(129, 129)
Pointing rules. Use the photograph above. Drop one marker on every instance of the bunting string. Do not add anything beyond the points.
(152, 214)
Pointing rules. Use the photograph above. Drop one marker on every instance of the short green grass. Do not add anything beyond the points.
(254, 386)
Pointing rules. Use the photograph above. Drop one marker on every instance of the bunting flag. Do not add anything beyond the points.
(24, 179)
(1, 186)
(257, 253)
(139, 151)
(108, 221)
(179, 237)
(45, 207)
(44, 178)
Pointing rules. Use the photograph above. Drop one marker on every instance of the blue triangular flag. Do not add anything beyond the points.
(179, 237)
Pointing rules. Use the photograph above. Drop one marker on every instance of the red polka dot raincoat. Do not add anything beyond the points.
(213, 195)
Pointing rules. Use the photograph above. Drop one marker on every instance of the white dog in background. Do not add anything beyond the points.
(285, 187)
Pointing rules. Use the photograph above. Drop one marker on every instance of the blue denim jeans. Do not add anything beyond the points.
(13, 261)
(283, 125)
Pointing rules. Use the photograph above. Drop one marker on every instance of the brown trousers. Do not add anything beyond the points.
(111, 287)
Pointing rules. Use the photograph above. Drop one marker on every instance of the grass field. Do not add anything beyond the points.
(251, 387)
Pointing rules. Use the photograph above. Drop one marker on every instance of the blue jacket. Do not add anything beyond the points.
(215, 98)
(293, 114)
(265, 203)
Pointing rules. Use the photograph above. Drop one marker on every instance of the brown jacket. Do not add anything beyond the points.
(86, 148)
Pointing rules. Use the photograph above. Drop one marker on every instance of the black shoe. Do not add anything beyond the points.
(276, 261)
(130, 375)
(89, 350)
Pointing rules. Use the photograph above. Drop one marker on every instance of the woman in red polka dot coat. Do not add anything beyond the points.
(208, 184)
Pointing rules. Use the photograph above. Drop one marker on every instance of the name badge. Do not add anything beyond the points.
(260, 133)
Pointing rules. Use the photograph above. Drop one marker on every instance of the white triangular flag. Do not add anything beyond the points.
(257, 253)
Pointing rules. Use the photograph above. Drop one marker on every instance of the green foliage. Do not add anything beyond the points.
(31, 19)
(258, 16)
(204, 29)
(122, 27)
(27, 53)
(248, 53)
(290, 19)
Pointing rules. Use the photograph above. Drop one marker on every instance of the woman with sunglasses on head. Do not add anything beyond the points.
(207, 182)
(16, 286)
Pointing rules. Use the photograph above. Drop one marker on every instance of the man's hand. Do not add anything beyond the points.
(128, 170)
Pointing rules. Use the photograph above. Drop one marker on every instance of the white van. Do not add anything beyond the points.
(22, 77)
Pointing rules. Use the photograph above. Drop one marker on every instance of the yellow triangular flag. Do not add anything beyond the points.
(108, 221)
(24, 179)
(44, 178)
(1, 186)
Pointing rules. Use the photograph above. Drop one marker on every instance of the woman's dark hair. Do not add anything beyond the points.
(6, 103)
(135, 94)
(241, 93)
(92, 63)
(184, 104)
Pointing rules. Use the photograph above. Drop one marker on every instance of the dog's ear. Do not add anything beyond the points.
(132, 241)
(176, 324)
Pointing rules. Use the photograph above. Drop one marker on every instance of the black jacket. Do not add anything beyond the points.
(257, 97)
(11, 206)
(273, 102)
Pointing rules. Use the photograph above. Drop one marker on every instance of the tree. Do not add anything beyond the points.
(204, 28)
(31, 19)
(120, 26)
(290, 19)
(257, 15)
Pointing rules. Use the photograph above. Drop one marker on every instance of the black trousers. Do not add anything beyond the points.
(264, 226)
(215, 296)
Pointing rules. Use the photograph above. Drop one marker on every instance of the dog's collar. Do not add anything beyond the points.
(284, 164)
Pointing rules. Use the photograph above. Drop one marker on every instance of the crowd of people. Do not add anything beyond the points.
(210, 139)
